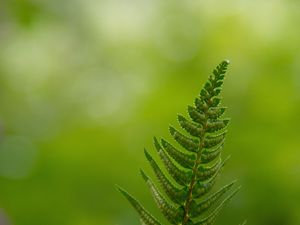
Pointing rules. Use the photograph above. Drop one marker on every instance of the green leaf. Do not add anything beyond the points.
(210, 219)
(175, 194)
(201, 188)
(185, 160)
(203, 206)
(205, 95)
(214, 102)
(196, 116)
(214, 140)
(192, 128)
(215, 112)
(217, 125)
(169, 211)
(186, 142)
(208, 155)
(201, 105)
(146, 217)
(180, 176)
(206, 172)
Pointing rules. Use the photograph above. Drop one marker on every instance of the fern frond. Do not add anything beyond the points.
(193, 129)
(182, 177)
(215, 112)
(169, 211)
(185, 160)
(198, 209)
(210, 219)
(175, 194)
(209, 155)
(202, 187)
(216, 125)
(194, 165)
(186, 142)
(196, 116)
(207, 172)
(211, 141)
(146, 217)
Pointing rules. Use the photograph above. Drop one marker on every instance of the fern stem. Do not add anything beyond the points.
(194, 178)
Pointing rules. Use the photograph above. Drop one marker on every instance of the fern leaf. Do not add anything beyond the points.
(182, 177)
(193, 129)
(200, 105)
(207, 172)
(175, 194)
(216, 125)
(214, 140)
(146, 217)
(198, 209)
(185, 160)
(196, 115)
(215, 112)
(195, 166)
(210, 219)
(209, 155)
(214, 102)
(201, 188)
(186, 142)
(169, 211)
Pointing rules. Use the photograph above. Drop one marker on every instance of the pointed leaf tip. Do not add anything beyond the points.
(146, 217)
(156, 144)
(226, 159)
(125, 193)
(172, 130)
(145, 177)
(118, 188)
(148, 156)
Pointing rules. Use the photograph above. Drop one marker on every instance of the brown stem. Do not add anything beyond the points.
(194, 178)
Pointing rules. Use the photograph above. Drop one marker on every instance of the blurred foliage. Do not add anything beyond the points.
(83, 86)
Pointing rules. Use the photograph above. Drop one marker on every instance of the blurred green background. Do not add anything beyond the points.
(86, 84)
